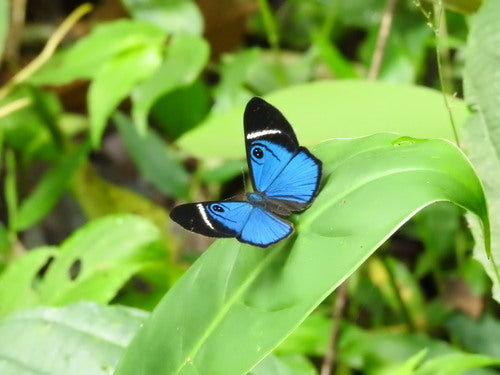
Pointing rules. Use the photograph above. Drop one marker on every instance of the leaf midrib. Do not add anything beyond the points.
(226, 308)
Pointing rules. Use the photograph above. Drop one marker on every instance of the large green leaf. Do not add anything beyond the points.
(328, 109)
(155, 159)
(186, 57)
(115, 81)
(49, 189)
(174, 16)
(481, 135)
(81, 339)
(87, 57)
(248, 299)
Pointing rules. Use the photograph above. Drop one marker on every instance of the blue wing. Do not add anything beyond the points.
(267, 160)
(213, 219)
(279, 168)
(264, 229)
(248, 223)
(298, 181)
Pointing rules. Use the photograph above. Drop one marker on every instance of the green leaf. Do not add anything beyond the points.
(174, 16)
(186, 57)
(338, 65)
(49, 189)
(92, 264)
(32, 130)
(18, 281)
(482, 63)
(293, 365)
(87, 57)
(81, 339)
(156, 160)
(99, 198)
(234, 74)
(99, 258)
(455, 364)
(326, 109)
(10, 188)
(481, 135)
(4, 24)
(115, 81)
(408, 367)
(248, 299)
(478, 336)
(182, 109)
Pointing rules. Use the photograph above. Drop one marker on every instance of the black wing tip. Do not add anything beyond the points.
(189, 217)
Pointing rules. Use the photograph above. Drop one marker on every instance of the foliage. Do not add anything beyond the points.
(101, 136)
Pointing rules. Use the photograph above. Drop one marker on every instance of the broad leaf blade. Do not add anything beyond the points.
(49, 189)
(481, 135)
(18, 281)
(326, 109)
(155, 159)
(248, 299)
(114, 82)
(174, 16)
(99, 258)
(186, 57)
(81, 339)
(85, 58)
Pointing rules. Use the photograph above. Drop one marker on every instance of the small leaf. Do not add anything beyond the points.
(186, 57)
(81, 339)
(240, 297)
(110, 250)
(293, 365)
(18, 282)
(478, 336)
(49, 189)
(114, 82)
(456, 364)
(325, 109)
(86, 58)
(155, 159)
(182, 109)
(99, 198)
(174, 16)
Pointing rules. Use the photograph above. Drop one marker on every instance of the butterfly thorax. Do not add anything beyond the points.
(275, 206)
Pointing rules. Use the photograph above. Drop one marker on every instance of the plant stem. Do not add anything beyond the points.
(337, 313)
(383, 36)
(47, 51)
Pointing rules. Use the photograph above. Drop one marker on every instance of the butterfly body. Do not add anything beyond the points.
(284, 175)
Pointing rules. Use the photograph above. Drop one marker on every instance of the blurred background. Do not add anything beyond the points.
(97, 104)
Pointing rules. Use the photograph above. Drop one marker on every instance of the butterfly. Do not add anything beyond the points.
(285, 178)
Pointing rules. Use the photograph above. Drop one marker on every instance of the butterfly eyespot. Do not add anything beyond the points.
(217, 208)
(258, 153)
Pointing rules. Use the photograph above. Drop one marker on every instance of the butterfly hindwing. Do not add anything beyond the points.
(248, 223)
(263, 228)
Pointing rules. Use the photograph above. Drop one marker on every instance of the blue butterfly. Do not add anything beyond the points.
(284, 175)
